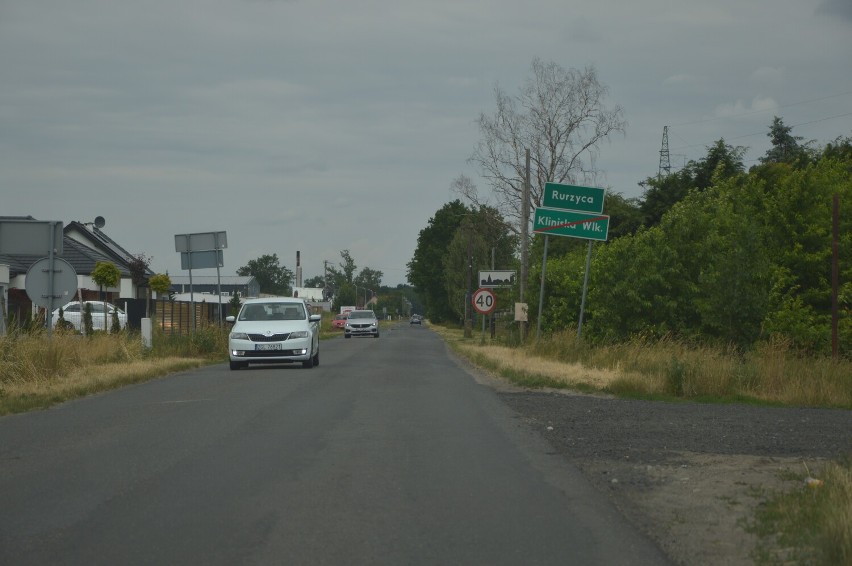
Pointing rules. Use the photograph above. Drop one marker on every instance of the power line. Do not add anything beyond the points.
(764, 132)
(776, 107)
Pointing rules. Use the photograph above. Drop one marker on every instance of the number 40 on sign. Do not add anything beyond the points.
(483, 301)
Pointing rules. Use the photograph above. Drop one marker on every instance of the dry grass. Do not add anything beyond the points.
(37, 371)
(519, 363)
(666, 368)
(82, 381)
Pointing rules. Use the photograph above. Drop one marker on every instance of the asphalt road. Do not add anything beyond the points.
(388, 452)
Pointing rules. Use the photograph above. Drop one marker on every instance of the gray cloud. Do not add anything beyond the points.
(288, 123)
(836, 8)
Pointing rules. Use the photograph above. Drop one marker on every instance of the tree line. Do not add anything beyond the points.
(712, 252)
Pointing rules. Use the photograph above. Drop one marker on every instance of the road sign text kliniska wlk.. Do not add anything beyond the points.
(571, 223)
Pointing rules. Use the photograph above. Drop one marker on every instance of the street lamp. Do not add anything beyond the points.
(356, 295)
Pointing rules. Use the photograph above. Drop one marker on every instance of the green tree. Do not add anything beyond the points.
(798, 225)
(315, 282)
(344, 297)
(88, 325)
(115, 324)
(344, 273)
(840, 149)
(160, 283)
(625, 215)
(105, 274)
(661, 194)
(234, 304)
(273, 278)
(347, 266)
(786, 148)
(723, 161)
(138, 267)
(632, 288)
(369, 279)
(481, 237)
(724, 260)
(62, 324)
(426, 268)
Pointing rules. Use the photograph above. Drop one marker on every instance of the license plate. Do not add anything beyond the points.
(268, 346)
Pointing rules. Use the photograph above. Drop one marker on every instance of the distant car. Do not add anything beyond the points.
(339, 320)
(361, 323)
(274, 330)
(415, 319)
(73, 313)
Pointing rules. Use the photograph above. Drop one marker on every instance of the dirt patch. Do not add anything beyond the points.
(689, 475)
(697, 506)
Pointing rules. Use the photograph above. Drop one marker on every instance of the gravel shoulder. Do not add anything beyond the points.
(689, 475)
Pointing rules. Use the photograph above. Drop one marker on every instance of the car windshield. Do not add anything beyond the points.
(273, 311)
(361, 314)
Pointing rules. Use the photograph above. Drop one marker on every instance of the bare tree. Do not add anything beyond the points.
(560, 116)
(466, 189)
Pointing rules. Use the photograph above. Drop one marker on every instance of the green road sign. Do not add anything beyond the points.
(569, 223)
(569, 197)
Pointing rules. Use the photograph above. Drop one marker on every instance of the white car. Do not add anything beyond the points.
(73, 313)
(274, 330)
(361, 323)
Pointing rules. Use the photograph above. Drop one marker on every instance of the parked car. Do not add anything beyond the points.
(274, 330)
(339, 320)
(415, 319)
(361, 323)
(73, 313)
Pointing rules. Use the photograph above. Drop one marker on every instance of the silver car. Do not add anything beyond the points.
(274, 330)
(361, 323)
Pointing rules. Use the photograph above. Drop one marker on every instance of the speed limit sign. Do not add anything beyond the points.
(483, 301)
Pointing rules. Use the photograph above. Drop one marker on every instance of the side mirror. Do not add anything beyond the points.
(232, 319)
(315, 318)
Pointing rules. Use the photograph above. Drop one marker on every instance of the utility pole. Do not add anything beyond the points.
(525, 221)
(468, 315)
(835, 274)
(326, 290)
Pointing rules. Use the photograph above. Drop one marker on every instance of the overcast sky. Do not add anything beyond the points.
(323, 125)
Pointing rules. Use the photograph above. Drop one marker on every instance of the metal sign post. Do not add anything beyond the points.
(207, 248)
(33, 237)
(575, 212)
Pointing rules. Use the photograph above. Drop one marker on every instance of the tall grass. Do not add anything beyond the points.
(37, 370)
(811, 524)
(772, 373)
(208, 341)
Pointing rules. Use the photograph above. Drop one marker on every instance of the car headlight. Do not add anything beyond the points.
(299, 334)
(238, 336)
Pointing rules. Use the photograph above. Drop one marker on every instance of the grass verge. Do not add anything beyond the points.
(18, 397)
(811, 524)
(37, 371)
(665, 369)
